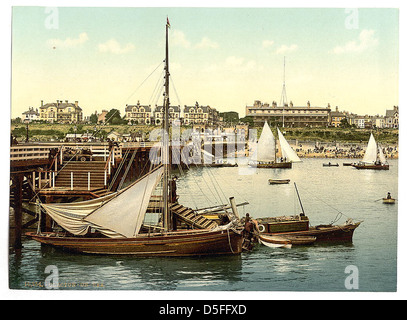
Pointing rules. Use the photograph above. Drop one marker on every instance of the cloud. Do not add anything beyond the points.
(68, 42)
(114, 47)
(178, 39)
(207, 43)
(365, 41)
(286, 49)
(267, 43)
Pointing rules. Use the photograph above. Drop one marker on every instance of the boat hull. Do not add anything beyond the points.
(283, 224)
(174, 244)
(275, 165)
(330, 165)
(371, 166)
(276, 181)
(331, 233)
(389, 201)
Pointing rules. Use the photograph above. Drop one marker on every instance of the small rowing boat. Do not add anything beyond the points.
(275, 241)
(330, 165)
(389, 201)
(279, 181)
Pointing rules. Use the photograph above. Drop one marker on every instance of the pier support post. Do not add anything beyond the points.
(18, 213)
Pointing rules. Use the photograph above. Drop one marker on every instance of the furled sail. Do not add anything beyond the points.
(78, 217)
(70, 215)
(371, 151)
(286, 150)
(124, 214)
(266, 146)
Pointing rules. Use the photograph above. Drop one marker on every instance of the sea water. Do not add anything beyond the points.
(328, 194)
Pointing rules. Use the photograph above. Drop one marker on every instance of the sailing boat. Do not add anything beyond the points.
(373, 158)
(265, 155)
(114, 224)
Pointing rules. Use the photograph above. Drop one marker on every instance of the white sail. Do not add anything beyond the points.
(124, 214)
(382, 158)
(286, 150)
(371, 151)
(266, 146)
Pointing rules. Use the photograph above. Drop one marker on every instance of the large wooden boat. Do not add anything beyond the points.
(374, 158)
(169, 244)
(114, 224)
(265, 155)
(298, 226)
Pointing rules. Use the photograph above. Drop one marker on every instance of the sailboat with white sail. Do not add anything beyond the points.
(113, 224)
(374, 158)
(265, 154)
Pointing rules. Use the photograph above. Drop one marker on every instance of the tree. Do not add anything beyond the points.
(247, 120)
(344, 123)
(93, 118)
(113, 117)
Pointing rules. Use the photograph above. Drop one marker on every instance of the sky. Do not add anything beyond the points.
(222, 57)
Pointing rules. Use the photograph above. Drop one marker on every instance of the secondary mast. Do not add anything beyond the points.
(166, 133)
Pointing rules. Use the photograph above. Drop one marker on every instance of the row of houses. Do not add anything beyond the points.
(196, 114)
(312, 116)
(289, 115)
(390, 120)
(59, 111)
(65, 112)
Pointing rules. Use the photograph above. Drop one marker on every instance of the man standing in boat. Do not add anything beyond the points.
(250, 232)
(173, 190)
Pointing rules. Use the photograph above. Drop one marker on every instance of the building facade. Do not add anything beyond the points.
(200, 115)
(289, 115)
(61, 112)
(174, 113)
(392, 118)
(30, 115)
(336, 117)
(138, 114)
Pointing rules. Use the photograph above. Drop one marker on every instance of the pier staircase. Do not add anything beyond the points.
(190, 217)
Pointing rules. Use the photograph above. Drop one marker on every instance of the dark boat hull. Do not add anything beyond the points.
(174, 244)
(275, 165)
(337, 233)
(371, 166)
(277, 181)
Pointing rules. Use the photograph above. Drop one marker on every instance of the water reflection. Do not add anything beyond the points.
(319, 267)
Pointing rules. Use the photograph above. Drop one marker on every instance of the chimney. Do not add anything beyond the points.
(66, 101)
(337, 109)
(42, 103)
(76, 103)
(308, 104)
(291, 104)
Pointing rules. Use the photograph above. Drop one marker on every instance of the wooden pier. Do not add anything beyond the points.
(66, 173)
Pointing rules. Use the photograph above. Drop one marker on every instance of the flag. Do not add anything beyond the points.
(168, 23)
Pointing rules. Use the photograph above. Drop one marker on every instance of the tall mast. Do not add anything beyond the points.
(283, 98)
(165, 155)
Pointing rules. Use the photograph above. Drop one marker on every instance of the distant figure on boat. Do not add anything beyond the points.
(388, 195)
